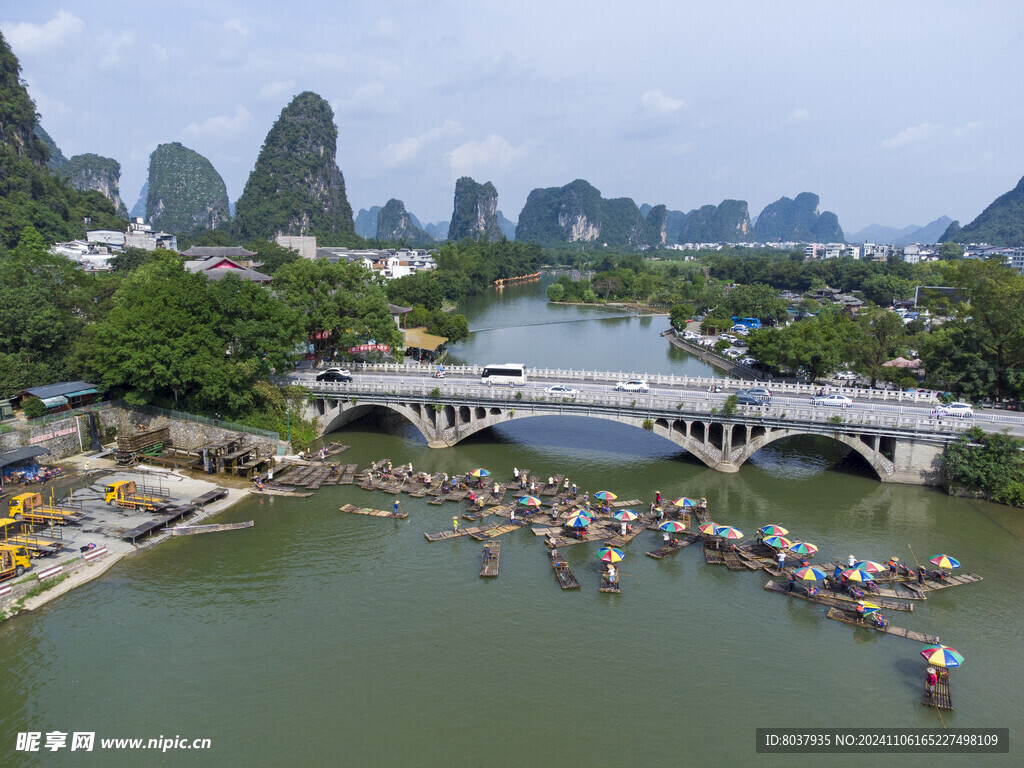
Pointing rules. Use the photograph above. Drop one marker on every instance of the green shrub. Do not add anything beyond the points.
(33, 408)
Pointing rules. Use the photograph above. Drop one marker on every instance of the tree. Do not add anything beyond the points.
(756, 300)
(990, 462)
(555, 292)
(950, 250)
(880, 336)
(679, 315)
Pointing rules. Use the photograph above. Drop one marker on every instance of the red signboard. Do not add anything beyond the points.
(370, 348)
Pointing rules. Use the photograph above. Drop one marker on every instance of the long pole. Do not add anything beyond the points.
(914, 556)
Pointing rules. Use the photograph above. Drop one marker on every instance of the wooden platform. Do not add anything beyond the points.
(491, 555)
(209, 497)
(848, 618)
(942, 698)
(188, 530)
(565, 576)
(829, 598)
(354, 510)
(674, 545)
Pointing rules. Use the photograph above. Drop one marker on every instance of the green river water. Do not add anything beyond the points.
(319, 638)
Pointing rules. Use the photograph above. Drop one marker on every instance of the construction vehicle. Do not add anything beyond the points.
(11, 534)
(125, 493)
(13, 561)
(32, 508)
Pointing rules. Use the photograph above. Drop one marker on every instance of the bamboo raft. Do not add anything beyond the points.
(491, 555)
(713, 556)
(848, 618)
(672, 547)
(830, 598)
(607, 586)
(565, 576)
(354, 510)
(942, 698)
(188, 530)
(551, 490)
(621, 540)
(493, 532)
(736, 563)
(281, 492)
(454, 534)
(348, 474)
(598, 533)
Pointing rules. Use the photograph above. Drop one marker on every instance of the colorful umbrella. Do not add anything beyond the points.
(626, 515)
(577, 521)
(945, 561)
(856, 574)
(707, 528)
(774, 530)
(682, 501)
(610, 554)
(530, 501)
(728, 532)
(870, 566)
(809, 574)
(803, 548)
(605, 496)
(479, 473)
(778, 542)
(942, 656)
(672, 526)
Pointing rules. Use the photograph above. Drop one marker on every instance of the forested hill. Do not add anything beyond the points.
(30, 195)
(184, 192)
(296, 187)
(797, 220)
(1001, 223)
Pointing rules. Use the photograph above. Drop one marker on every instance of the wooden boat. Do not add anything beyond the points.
(188, 530)
(827, 597)
(566, 578)
(942, 697)
(491, 556)
(851, 618)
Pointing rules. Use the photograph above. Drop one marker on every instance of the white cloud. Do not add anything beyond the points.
(371, 100)
(913, 134)
(272, 91)
(658, 103)
(798, 116)
(221, 125)
(26, 38)
(405, 151)
(962, 130)
(237, 26)
(490, 155)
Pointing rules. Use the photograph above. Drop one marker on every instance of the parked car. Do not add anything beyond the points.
(835, 401)
(748, 361)
(733, 352)
(561, 389)
(633, 385)
(762, 392)
(690, 335)
(333, 374)
(744, 397)
(845, 376)
(959, 410)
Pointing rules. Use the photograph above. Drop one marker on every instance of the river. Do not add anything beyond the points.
(319, 638)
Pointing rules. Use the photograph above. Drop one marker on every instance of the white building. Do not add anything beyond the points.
(306, 246)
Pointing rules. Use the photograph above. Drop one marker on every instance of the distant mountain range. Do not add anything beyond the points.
(1001, 223)
(877, 233)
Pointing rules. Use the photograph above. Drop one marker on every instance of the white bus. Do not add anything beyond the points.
(507, 373)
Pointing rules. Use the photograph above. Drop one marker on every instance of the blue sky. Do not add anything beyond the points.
(895, 113)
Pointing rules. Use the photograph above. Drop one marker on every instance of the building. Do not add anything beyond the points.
(217, 267)
(90, 256)
(305, 246)
(62, 396)
(423, 346)
(388, 263)
(141, 235)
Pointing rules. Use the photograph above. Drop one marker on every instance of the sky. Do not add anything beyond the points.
(892, 112)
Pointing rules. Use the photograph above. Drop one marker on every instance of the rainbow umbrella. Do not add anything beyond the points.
(945, 561)
(530, 501)
(942, 656)
(809, 573)
(728, 532)
(682, 501)
(870, 566)
(479, 473)
(626, 515)
(707, 528)
(803, 548)
(577, 521)
(856, 574)
(672, 526)
(610, 554)
(778, 542)
(605, 496)
(774, 530)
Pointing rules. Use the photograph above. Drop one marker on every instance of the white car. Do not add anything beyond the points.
(561, 389)
(633, 385)
(748, 361)
(845, 376)
(836, 401)
(342, 371)
(690, 335)
(733, 352)
(959, 410)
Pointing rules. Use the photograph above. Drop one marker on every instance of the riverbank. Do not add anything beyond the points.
(648, 310)
(730, 367)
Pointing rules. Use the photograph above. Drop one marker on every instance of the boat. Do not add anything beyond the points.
(188, 530)
(831, 599)
(851, 618)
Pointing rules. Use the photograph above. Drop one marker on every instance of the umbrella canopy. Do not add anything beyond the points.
(870, 566)
(479, 473)
(605, 496)
(707, 528)
(626, 515)
(672, 526)
(728, 532)
(803, 548)
(774, 530)
(779, 542)
(945, 561)
(530, 501)
(942, 656)
(856, 574)
(682, 501)
(577, 521)
(809, 574)
(610, 554)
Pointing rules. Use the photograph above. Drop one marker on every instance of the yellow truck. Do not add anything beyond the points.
(32, 508)
(126, 494)
(12, 535)
(13, 561)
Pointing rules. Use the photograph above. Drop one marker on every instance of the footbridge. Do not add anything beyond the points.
(901, 443)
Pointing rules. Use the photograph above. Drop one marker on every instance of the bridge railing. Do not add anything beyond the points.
(653, 406)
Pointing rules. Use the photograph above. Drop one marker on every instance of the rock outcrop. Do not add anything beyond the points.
(475, 214)
(798, 221)
(396, 224)
(728, 222)
(56, 160)
(185, 192)
(577, 213)
(102, 174)
(296, 187)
